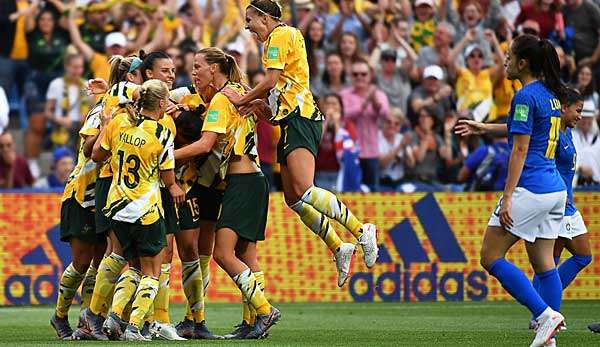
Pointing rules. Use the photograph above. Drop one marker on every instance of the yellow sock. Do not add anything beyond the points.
(125, 290)
(69, 283)
(204, 266)
(127, 311)
(246, 281)
(87, 287)
(149, 316)
(144, 296)
(161, 302)
(248, 314)
(109, 269)
(193, 288)
(318, 223)
(328, 204)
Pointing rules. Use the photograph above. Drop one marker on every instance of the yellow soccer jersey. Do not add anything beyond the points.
(139, 153)
(117, 97)
(81, 183)
(237, 134)
(187, 96)
(285, 50)
(186, 175)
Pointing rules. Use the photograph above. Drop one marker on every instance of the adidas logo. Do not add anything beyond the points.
(410, 279)
(27, 288)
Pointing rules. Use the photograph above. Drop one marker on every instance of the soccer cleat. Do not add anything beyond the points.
(81, 320)
(62, 327)
(93, 323)
(82, 333)
(201, 332)
(133, 334)
(343, 259)
(263, 323)
(240, 331)
(594, 327)
(533, 324)
(146, 331)
(114, 327)
(185, 328)
(368, 241)
(551, 343)
(549, 323)
(164, 331)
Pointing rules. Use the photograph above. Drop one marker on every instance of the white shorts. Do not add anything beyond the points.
(572, 226)
(534, 215)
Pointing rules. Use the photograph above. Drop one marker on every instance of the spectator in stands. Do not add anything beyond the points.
(182, 78)
(487, 167)
(585, 139)
(392, 36)
(4, 110)
(365, 105)
(439, 52)
(426, 148)
(334, 78)
(47, 45)
(393, 78)
(472, 19)
(583, 16)
(62, 165)
(96, 25)
(13, 44)
(315, 48)
(326, 164)
(585, 83)
(474, 84)
(67, 103)
(510, 9)
(433, 92)
(349, 50)
(423, 24)
(547, 14)
(347, 20)
(395, 152)
(14, 171)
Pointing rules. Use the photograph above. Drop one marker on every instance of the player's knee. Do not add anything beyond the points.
(188, 252)
(486, 259)
(220, 256)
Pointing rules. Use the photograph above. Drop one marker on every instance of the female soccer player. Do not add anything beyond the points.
(534, 198)
(77, 225)
(141, 157)
(294, 109)
(123, 84)
(243, 216)
(573, 233)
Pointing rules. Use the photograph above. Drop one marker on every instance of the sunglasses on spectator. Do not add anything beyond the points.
(480, 56)
(359, 74)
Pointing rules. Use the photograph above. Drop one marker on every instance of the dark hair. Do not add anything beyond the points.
(571, 96)
(189, 125)
(149, 60)
(227, 64)
(325, 78)
(591, 87)
(52, 12)
(266, 7)
(542, 61)
(339, 99)
(311, 51)
(358, 53)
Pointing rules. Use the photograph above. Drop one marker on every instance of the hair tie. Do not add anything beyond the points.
(135, 64)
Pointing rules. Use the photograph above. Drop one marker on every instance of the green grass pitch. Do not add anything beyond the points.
(378, 324)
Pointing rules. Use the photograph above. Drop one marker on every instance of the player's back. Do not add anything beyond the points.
(535, 111)
(139, 151)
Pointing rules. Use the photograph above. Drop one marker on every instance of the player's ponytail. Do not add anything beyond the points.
(542, 61)
(234, 73)
(120, 67)
(151, 92)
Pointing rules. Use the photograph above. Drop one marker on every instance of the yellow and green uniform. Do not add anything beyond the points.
(421, 34)
(187, 96)
(139, 152)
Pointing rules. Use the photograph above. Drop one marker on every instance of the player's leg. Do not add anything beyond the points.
(579, 246)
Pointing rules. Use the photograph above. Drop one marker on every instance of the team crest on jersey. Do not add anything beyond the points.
(521, 112)
(212, 116)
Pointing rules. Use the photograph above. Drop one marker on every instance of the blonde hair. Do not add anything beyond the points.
(151, 93)
(227, 64)
(119, 67)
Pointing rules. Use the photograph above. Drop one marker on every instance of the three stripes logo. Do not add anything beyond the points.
(29, 288)
(415, 276)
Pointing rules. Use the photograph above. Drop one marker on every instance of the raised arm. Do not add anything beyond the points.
(76, 39)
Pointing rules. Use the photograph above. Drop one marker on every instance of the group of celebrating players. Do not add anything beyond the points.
(157, 165)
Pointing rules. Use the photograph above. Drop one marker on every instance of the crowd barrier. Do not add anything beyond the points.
(429, 251)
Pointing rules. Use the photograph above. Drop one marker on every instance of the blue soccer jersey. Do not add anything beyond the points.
(566, 158)
(536, 112)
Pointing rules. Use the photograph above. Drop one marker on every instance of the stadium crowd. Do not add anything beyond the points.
(392, 78)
